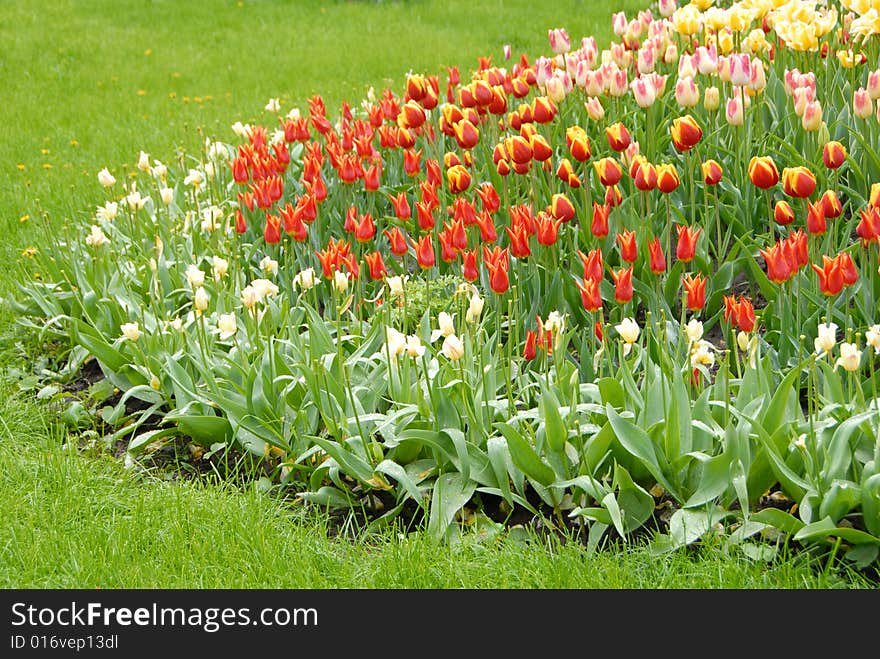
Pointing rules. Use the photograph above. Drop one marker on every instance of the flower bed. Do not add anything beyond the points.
(603, 286)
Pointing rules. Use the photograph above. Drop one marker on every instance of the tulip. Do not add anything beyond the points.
(711, 99)
(667, 178)
(397, 241)
(644, 175)
(618, 137)
(411, 165)
(762, 172)
(475, 308)
(827, 338)
(469, 265)
(530, 351)
(783, 214)
(578, 143)
(687, 95)
(613, 196)
(712, 172)
(831, 206)
(628, 248)
(466, 134)
(130, 331)
(105, 178)
(778, 268)
(376, 265)
(519, 242)
(872, 337)
(561, 208)
(734, 111)
(608, 170)
(594, 108)
(850, 357)
(833, 154)
(591, 297)
(830, 276)
(365, 229)
(656, 261)
(305, 279)
(599, 225)
(593, 265)
(874, 197)
(559, 40)
(200, 300)
(798, 182)
(543, 109)
(863, 107)
(548, 229)
(565, 172)
(623, 288)
(458, 179)
(402, 209)
(816, 224)
(452, 348)
(272, 229)
(226, 325)
(424, 251)
(686, 249)
(686, 133)
(695, 288)
(448, 252)
(812, 117)
(643, 92)
(628, 329)
(848, 268)
(868, 228)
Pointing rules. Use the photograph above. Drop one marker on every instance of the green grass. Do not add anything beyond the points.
(72, 72)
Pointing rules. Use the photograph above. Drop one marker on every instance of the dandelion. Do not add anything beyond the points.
(130, 331)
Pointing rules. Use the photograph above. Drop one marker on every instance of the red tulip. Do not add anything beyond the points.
(762, 172)
(488, 233)
(469, 265)
(833, 154)
(591, 297)
(398, 242)
(593, 265)
(365, 229)
(613, 197)
(543, 110)
(541, 149)
(816, 224)
(695, 287)
(240, 223)
(530, 351)
(272, 229)
(657, 261)
(686, 249)
(623, 288)
(618, 137)
(608, 171)
(830, 276)
(561, 208)
(667, 178)
(566, 174)
(518, 149)
(778, 268)
(628, 248)
(686, 133)
(371, 178)
(783, 214)
(448, 252)
(412, 162)
(578, 143)
(868, 228)
(489, 196)
(712, 172)
(644, 175)
(519, 241)
(401, 206)
(458, 178)
(466, 134)
(599, 225)
(376, 265)
(798, 182)
(424, 251)
(848, 268)
(831, 206)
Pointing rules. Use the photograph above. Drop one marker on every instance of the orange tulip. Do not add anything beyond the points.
(798, 182)
(412, 162)
(448, 252)
(530, 351)
(272, 229)
(466, 134)
(469, 265)
(686, 133)
(401, 206)
(623, 288)
(593, 265)
(543, 110)
(695, 287)
(548, 229)
(644, 175)
(519, 241)
(618, 137)
(712, 172)
(686, 249)
(488, 233)
(608, 170)
(365, 229)
(518, 149)
(667, 178)
(762, 172)
(833, 154)
(412, 115)
(541, 149)
(613, 197)
(848, 268)
(868, 228)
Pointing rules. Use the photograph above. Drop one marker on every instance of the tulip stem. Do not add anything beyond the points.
(668, 234)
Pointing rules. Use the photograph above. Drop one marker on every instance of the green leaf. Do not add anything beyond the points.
(496, 447)
(524, 456)
(687, 526)
(635, 503)
(554, 426)
(205, 430)
(351, 464)
(825, 528)
(871, 504)
(96, 344)
(612, 393)
(839, 453)
(609, 503)
(637, 443)
(714, 481)
(144, 439)
(451, 493)
(778, 519)
(398, 473)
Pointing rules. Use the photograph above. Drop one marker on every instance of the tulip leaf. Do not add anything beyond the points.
(205, 430)
(635, 503)
(839, 453)
(715, 479)
(398, 473)
(451, 493)
(637, 442)
(554, 426)
(778, 519)
(825, 529)
(871, 504)
(524, 456)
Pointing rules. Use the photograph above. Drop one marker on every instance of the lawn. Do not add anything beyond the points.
(162, 77)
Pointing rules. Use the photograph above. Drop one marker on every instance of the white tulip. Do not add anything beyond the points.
(414, 347)
(167, 195)
(395, 285)
(219, 268)
(475, 308)
(227, 326)
(873, 338)
(452, 348)
(628, 330)
(702, 354)
(694, 330)
(447, 326)
(130, 331)
(105, 178)
(195, 276)
(850, 357)
(274, 105)
(269, 265)
(395, 341)
(96, 238)
(200, 300)
(108, 211)
(340, 281)
(827, 338)
(249, 297)
(195, 178)
(264, 288)
(143, 162)
(555, 323)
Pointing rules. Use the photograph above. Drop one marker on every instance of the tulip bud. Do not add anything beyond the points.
(130, 331)
(340, 281)
(850, 357)
(862, 105)
(812, 117)
(200, 300)
(833, 154)
(711, 99)
(105, 178)
(783, 214)
(827, 338)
